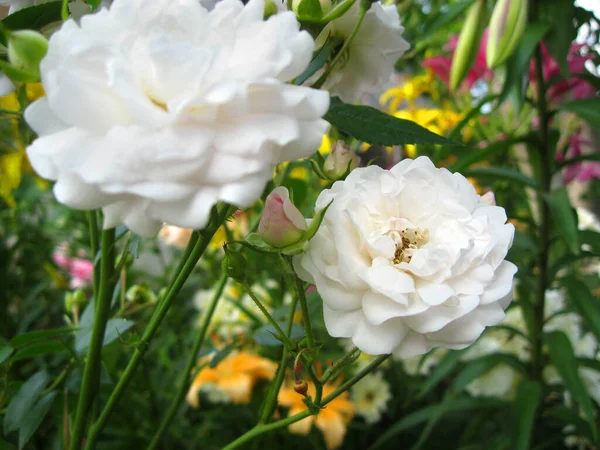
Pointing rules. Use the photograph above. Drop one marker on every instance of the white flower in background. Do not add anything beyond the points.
(500, 382)
(409, 259)
(154, 111)
(587, 220)
(6, 86)
(371, 55)
(370, 397)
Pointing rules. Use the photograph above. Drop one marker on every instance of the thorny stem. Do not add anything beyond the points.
(192, 360)
(192, 254)
(91, 374)
(332, 371)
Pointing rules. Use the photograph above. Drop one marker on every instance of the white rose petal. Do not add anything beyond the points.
(409, 259)
(371, 55)
(155, 111)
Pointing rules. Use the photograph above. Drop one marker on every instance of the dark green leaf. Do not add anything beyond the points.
(23, 401)
(39, 348)
(563, 358)
(319, 59)
(435, 22)
(562, 30)
(5, 352)
(370, 125)
(422, 415)
(222, 354)
(480, 366)
(588, 109)
(564, 217)
(32, 18)
(502, 173)
(581, 158)
(114, 328)
(444, 368)
(585, 302)
(529, 394)
(473, 155)
(570, 417)
(34, 417)
(591, 239)
(33, 336)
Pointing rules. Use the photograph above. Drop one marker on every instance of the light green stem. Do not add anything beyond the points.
(193, 252)
(91, 374)
(192, 360)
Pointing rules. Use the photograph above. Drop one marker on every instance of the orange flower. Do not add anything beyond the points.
(234, 377)
(331, 420)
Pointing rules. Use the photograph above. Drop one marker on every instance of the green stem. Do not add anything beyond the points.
(333, 370)
(262, 429)
(298, 292)
(282, 336)
(544, 224)
(208, 314)
(271, 399)
(364, 7)
(184, 270)
(91, 374)
(93, 227)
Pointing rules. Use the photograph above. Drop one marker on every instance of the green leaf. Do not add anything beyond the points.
(39, 348)
(564, 218)
(33, 336)
(471, 156)
(480, 366)
(32, 18)
(562, 31)
(5, 352)
(518, 64)
(424, 414)
(267, 335)
(585, 302)
(33, 419)
(529, 394)
(587, 108)
(580, 158)
(17, 74)
(319, 59)
(444, 368)
(502, 173)
(563, 358)
(591, 239)
(222, 354)
(370, 125)
(114, 328)
(570, 417)
(447, 17)
(23, 401)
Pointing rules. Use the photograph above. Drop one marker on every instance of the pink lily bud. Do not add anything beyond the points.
(281, 223)
(341, 160)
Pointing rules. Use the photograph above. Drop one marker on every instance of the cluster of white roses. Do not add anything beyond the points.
(157, 110)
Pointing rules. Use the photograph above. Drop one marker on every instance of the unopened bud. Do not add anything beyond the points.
(341, 161)
(26, 49)
(506, 28)
(139, 293)
(281, 224)
(301, 387)
(270, 9)
(74, 300)
(468, 43)
(307, 10)
(234, 264)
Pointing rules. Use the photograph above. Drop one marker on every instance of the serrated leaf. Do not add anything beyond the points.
(564, 218)
(370, 125)
(585, 302)
(587, 108)
(32, 18)
(24, 400)
(34, 418)
(256, 241)
(502, 173)
(563, 358)
(38, 349)
(529, 394)
(422, 415)
(33, 336)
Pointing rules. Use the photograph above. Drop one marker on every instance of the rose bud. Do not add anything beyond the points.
(281, 223)
(340, 161)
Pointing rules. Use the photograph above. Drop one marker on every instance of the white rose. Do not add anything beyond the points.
(155, 110)
(409, 259)
(371, 55)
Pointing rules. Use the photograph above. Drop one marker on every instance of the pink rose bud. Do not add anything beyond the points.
(341, 160)
(488, 198)
(281, 223)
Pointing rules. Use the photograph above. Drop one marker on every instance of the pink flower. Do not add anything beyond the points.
(440, 65)
(582, 171)
(80, 270)
(578, 87)
(281, 223)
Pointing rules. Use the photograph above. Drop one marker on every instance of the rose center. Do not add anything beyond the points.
(407, 242)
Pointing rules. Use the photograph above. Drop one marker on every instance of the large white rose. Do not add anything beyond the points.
(155, 110)
(409, 259)
(371, 55)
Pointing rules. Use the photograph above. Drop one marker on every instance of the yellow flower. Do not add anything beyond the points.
(235, 377)
(409, 92)
(331, 420)
(325, 146)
